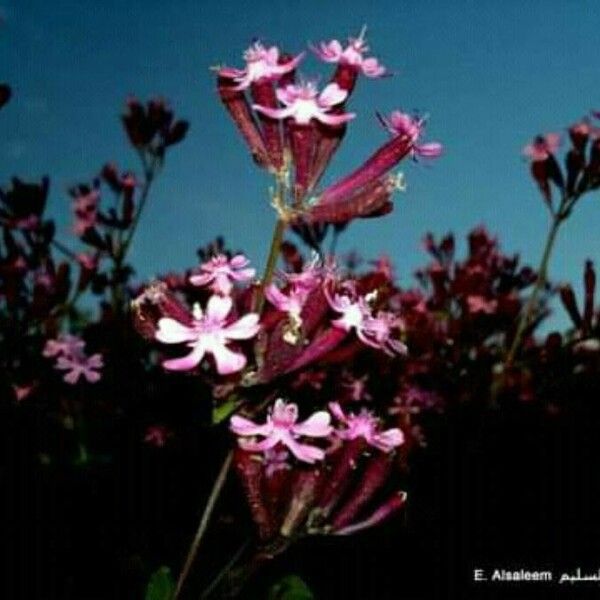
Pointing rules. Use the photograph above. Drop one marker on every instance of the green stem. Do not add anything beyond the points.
(259, 299)
(204, 520)
(539, 284)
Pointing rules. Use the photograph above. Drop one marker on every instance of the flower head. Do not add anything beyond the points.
(282, 427)
(403, 124)
(261, 63)
(542, 147)
(220, 272)
(375, 331)
(303, 102)
(366, 425)
(352, 55)
(85, 210)
(209, 333)
(79, 365)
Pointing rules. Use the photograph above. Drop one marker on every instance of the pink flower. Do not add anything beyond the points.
(542, 147)
(374, 331)
(291, 303)
(85, 210)
(209, 334)
(281, 427)
(88, 261)
(65, 344)
(352, 54)
(303, 103)
(480, 305)
(366, 425)
(261, 63)
(79, 365)
(403, 124)
(221, 272)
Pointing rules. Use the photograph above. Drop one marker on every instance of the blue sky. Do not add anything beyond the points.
(491, 75)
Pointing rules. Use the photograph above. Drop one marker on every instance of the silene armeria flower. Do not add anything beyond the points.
(352, 55)
(221, 272)
(364, 424)
(282, 428)
(303, 102)
(209, 333)
(64, 344)
(261, 63)
(375, 331)
(79, 365)
(403, 124)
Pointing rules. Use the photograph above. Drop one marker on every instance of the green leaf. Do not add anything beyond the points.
(290, 587)
(223, 410)
(161, 585)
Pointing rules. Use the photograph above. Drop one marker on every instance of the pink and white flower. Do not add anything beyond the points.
(79, 365)
(282, 428)
(209, 333)
(85, 210)
(542, 147)
(303, 102)
(352, 54)
(403, 124)
(221, 272)
(366, 425)
(374, 331)
(261, 63)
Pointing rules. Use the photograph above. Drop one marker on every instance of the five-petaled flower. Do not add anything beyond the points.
(261, 64)
(220, 272)
(209, 333)
(281, 427)
(303, 102)
(542, 147)
(366, 425)
(65, 344)
(79, 365)
(403, 124)
(352, 54)
(375, 331)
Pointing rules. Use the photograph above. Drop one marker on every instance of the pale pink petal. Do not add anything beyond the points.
(243, 426)
(266, 444)
(186, 362)
(92, 376)
(337, 412)
(304, 452)
(227, 360)
(218, 307)
(72, 376)
(429, 150)
(317, 425)
(331, 95)
(334, 120)
(244, 328)
(95, 361)
(171, 331)
(387, 440)
(239, 261)
(243, 274)
(201, 279)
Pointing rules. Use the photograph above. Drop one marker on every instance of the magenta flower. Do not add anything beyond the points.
(79, 365)
(209, 334)
(402, 124)
(65, 344)
(221, 272)
(352, 55)
(291, 303)
(374, 331)
(303, 103)
(261, 63)
(366, 425)
(85, 210)
(281, 427)
(542, 147)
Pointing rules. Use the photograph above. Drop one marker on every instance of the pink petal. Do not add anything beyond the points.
(317, 425)
(243, 274)
(429, 150)
(337, 412)
(261, 446)
(92, 376)
(388, 440)
(72, 376)
(186, 362)
(331, 95)
(171, 331)
(238, 261)
(227, 360)
(335, 120)
(218, 307)
(274, 113)
(243, 426)
(201, 279)
(304, 452)
(244, 328)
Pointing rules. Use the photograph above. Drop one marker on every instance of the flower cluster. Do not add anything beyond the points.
(69, 352)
